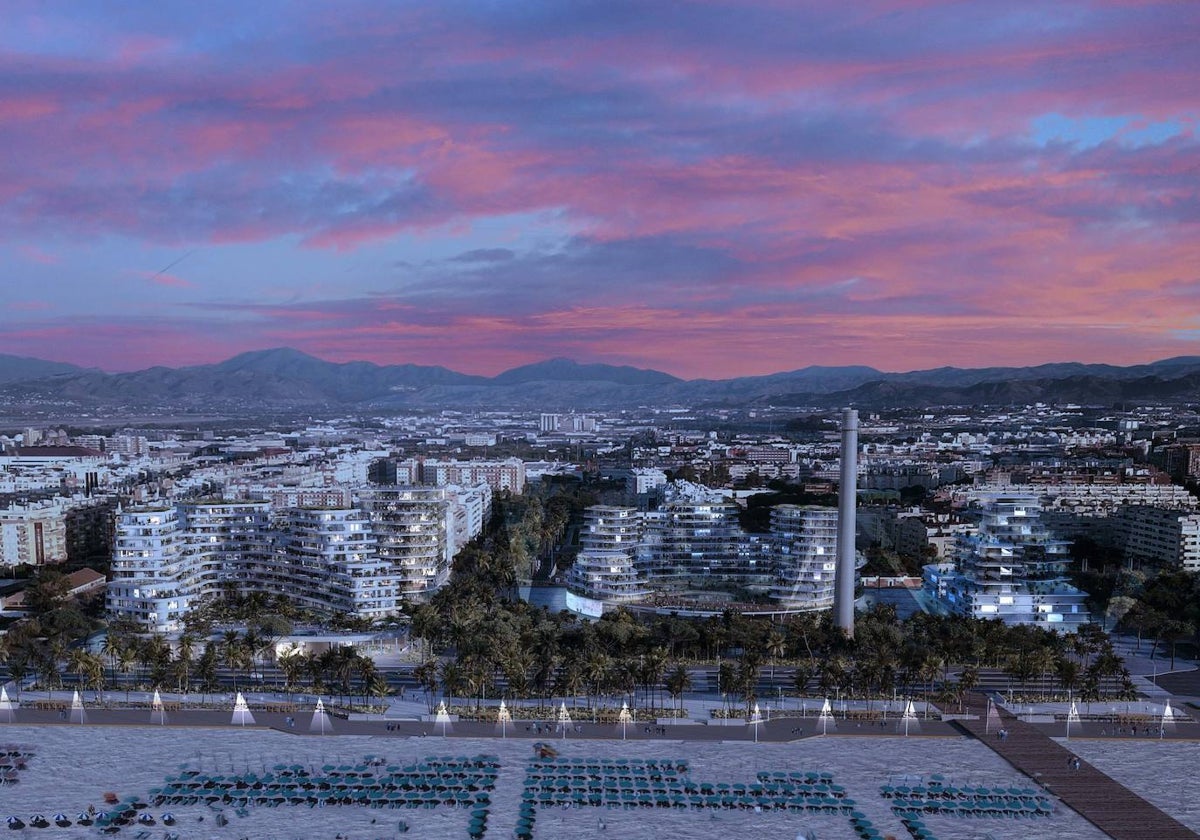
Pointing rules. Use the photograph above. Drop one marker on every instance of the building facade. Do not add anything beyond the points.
(1012, 570)
(606, 569)
(804, 544)
(364, 560)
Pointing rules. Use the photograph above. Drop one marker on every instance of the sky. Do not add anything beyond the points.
(712, 188)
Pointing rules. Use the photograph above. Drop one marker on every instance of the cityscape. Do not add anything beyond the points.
(592, 420)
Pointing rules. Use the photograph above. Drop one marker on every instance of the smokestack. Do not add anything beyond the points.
(843, 601)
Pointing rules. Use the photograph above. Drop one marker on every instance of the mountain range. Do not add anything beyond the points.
(287, 378)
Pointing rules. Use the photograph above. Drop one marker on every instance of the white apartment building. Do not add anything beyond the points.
(1157, 536)
(361, 560)
(628, 557)
(152, 583)
(331, 562)
(410, 525)
(804, 545)
(606, 570)
(34, 534)
(695, 535)
(645, 479)
(1012, 570)
(504, 474)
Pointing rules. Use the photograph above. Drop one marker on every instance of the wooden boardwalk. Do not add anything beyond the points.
(1113, 808)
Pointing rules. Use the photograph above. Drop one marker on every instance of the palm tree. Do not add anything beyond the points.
(968, 678)
(805, 670)
(113, 644)
(426, 675)
(95, 675)
(292, 664)
(378, 686)
(155, 655)
(77, 663)
(596, 669)
(678, 681)
(232, 653)
(726, 681)
(18, 670)
(653, 664)
(452, 680)
(126, 663)
(775, 646)
(185, 651)
(517, 665)
(367, 672)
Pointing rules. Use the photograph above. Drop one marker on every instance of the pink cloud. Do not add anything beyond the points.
(37, 255)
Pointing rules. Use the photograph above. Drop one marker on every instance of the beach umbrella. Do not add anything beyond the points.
(61, 820)
(1072, 718)
(7, 707)
(15, 823)
(1167, 721)
(909, 718)
(624, 718)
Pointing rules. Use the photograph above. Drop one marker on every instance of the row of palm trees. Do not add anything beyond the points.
(185, 665)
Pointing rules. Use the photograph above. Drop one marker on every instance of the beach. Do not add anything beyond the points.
(74, 766)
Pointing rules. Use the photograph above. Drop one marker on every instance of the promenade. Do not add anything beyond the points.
(1108, 805)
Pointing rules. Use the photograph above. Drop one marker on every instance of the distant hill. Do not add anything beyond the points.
(287, 378)
(21, 368)
(566, 370)
(1080, 389)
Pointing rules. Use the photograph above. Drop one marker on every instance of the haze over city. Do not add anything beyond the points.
(712, 189)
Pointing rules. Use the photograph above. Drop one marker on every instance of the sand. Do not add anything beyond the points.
(73, 766)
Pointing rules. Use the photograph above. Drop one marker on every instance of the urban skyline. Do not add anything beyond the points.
(710, 189)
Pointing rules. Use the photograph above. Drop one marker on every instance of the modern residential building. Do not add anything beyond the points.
(152, 583)
(1012, 570)
(693, 549)
(410, 525)
(605, 572)
(695, 537)
(330, 561)
(804, 547)
(1157, 537)
(364, 561)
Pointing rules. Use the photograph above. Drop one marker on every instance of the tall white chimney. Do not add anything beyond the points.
(843, 600)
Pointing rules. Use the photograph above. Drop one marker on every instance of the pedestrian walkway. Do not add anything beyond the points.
(1108, 805)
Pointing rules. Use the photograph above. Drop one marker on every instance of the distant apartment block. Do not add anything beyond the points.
(504, 474)
(644, 480)
(1157, 537)
(1182, 461)
(34, 535)
(566, 423)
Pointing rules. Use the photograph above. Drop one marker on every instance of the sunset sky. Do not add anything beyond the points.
(708, 188)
